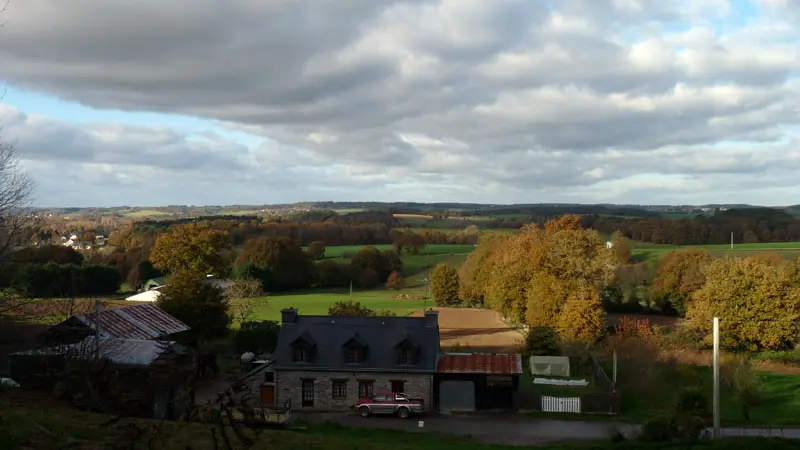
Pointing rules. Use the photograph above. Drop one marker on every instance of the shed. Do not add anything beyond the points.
(153, 283)
(476, 381)
(143, 321)
(134, 377)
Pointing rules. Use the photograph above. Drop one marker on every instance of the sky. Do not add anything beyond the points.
(216, 102)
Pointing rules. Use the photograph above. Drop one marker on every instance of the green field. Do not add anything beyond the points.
(340, 251)
(781, 406)
(787, 250)
(144, 213)
(317, 302)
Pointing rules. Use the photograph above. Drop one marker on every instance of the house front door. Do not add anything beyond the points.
(268, 394)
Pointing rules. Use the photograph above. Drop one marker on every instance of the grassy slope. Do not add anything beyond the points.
(780, 408)
(24, 426)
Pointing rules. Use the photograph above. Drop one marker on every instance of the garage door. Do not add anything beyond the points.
(457, 396)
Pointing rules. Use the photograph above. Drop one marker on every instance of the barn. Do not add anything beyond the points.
(476, 381)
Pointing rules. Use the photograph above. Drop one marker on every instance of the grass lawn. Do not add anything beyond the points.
(28, 426)
(317, 302)
(781, 406)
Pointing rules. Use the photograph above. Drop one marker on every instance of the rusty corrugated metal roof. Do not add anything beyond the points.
(484, 363)
(144, 321)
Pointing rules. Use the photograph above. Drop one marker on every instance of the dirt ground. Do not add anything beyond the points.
(475, 329)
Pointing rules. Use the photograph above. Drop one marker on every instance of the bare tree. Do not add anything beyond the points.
(17, 220)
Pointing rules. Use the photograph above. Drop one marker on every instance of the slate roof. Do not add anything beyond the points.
(481, 363)
(382, 335)
(145, 321)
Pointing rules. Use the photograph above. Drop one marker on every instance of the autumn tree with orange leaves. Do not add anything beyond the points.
(551, 277)
(757, 302)
(192, 249)
(680, 273)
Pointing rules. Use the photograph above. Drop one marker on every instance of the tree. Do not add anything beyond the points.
(332, 274)
(17, 220)
(193, 249)
(142, 272)
(257, 337)
(290, 266)
(473, 274)
(395, 281)
(444, 285)
(367, 278)
(349, 308)
(244, 288)
(534, 270)
(758, 305)
(58, 254)
(621, 248)
(582, 317)
(241, 294)
(744, 382)
(541, 341)
(564, 223)
(317, 250)
(383, 263)
(197, 303)
(679, 275)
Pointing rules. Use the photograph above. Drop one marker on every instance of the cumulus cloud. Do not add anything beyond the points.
(509, 100)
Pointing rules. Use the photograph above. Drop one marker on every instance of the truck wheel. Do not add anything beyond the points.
(364, 411)
(402, 413)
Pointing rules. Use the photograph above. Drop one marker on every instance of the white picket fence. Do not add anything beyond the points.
(561, 404)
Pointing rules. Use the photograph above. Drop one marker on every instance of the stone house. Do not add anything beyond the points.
(329, 362)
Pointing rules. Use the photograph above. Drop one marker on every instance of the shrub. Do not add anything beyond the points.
(349, 308)
(693, 402)
(395, 281)
(659, 429)
(198, 304)
(541, 341)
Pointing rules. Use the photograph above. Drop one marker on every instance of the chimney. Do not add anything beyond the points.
(289, 315)
(432, 318)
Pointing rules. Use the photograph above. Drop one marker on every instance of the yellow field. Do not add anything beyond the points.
(412, 216)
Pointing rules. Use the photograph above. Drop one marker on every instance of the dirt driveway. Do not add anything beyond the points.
(503, 430)
(475, 329)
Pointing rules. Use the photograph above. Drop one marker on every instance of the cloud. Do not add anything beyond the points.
(512, 100)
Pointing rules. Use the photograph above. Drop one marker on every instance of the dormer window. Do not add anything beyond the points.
(406, 352)
(301, 353)
(303, 348)
(405, 356)
(354, 350)
(353, 355)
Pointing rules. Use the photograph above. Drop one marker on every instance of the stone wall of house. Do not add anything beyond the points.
(289, 384)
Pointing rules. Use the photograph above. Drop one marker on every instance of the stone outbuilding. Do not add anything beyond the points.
(329, 362)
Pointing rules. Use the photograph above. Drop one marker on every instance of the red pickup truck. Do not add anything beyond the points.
(396, 403)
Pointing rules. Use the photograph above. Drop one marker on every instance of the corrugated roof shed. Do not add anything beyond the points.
(482, 363)
(144, 321)
(137, 352)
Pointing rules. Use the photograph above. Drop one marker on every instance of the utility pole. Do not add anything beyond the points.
(731, 240)
(615, 368)
(716, 379)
